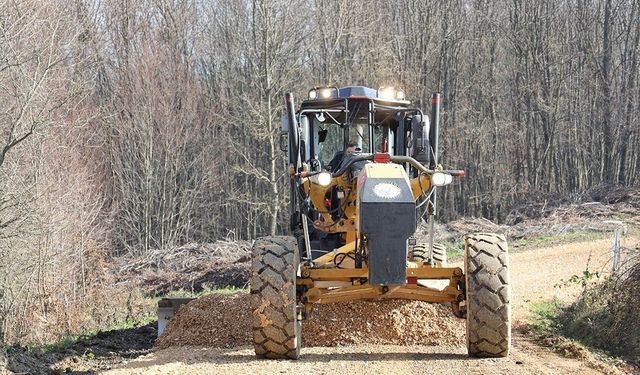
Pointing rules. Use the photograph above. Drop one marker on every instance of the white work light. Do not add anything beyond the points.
(441, 179)
(324, 178)
(323, 92)
(326, 93)
(386, 93)
(389, 92)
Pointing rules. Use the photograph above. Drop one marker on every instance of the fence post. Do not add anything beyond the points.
(615, 249)
(619, 231)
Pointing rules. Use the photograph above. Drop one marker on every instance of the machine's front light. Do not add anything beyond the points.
(325, 93)
(448, 179)
(324, 178)
(389, 92)
(313, 94)
(386, 93)
(441, 179)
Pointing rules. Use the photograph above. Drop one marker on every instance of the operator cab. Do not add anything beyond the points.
(337, 123)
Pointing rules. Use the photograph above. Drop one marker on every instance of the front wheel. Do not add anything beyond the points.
(420, 253)
(488, 295)
(276, 327)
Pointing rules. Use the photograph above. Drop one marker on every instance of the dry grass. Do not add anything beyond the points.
(607, 315)
(604, 318)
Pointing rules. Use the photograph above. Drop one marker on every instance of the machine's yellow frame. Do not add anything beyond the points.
(325, 283)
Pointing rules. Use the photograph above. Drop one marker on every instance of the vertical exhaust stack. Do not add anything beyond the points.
(434, 130)
(295, 159)
(294, 152)
(292, 125)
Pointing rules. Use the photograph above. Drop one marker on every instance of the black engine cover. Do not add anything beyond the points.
(387, 217)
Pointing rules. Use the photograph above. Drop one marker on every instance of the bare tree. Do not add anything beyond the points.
(127, 126)
(37, 95)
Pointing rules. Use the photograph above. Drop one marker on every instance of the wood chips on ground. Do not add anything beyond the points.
(223, 321)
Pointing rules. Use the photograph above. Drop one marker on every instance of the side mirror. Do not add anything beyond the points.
(284, 141)
(284, 123)
(420, 138)
(322, 135)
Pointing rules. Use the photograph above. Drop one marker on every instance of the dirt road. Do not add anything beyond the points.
(535, 274)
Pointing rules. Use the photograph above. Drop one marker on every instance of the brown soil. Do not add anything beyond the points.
(355, 359)
(218, 321)
(383, 322)
(85, 356)
(225, 322)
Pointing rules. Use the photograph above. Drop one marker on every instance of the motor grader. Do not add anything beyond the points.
(363, 167)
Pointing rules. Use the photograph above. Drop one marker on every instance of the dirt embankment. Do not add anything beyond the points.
(192, 267)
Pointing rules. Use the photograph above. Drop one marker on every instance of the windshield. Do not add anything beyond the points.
(329, 141)
(333, 142)
(383, 138)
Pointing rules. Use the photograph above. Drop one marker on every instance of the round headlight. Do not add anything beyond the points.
(400, 95)
(447, 179)
(438, 179)
(324, 178)
(313, 94)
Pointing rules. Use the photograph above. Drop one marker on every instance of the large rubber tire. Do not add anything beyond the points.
(276, 328)
(420, 253)
(488, 295)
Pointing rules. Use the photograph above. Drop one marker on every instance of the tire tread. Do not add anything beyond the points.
(488, 295)
(276, 329)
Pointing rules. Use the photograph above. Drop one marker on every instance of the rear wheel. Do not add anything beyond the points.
(488, 295)
(420, 253)
(276, 328)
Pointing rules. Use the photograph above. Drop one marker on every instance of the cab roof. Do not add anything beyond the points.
(351, 93)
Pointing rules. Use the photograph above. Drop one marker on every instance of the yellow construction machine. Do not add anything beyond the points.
(364, 168)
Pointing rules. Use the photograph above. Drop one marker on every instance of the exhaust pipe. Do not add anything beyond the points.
(434, 130)
(295, 160)
(294, 142)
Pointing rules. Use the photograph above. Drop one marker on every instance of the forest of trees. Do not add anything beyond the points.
(127, 126)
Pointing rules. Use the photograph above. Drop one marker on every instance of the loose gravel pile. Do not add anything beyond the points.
(396, 322)
(216, 320)
(223, 321)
